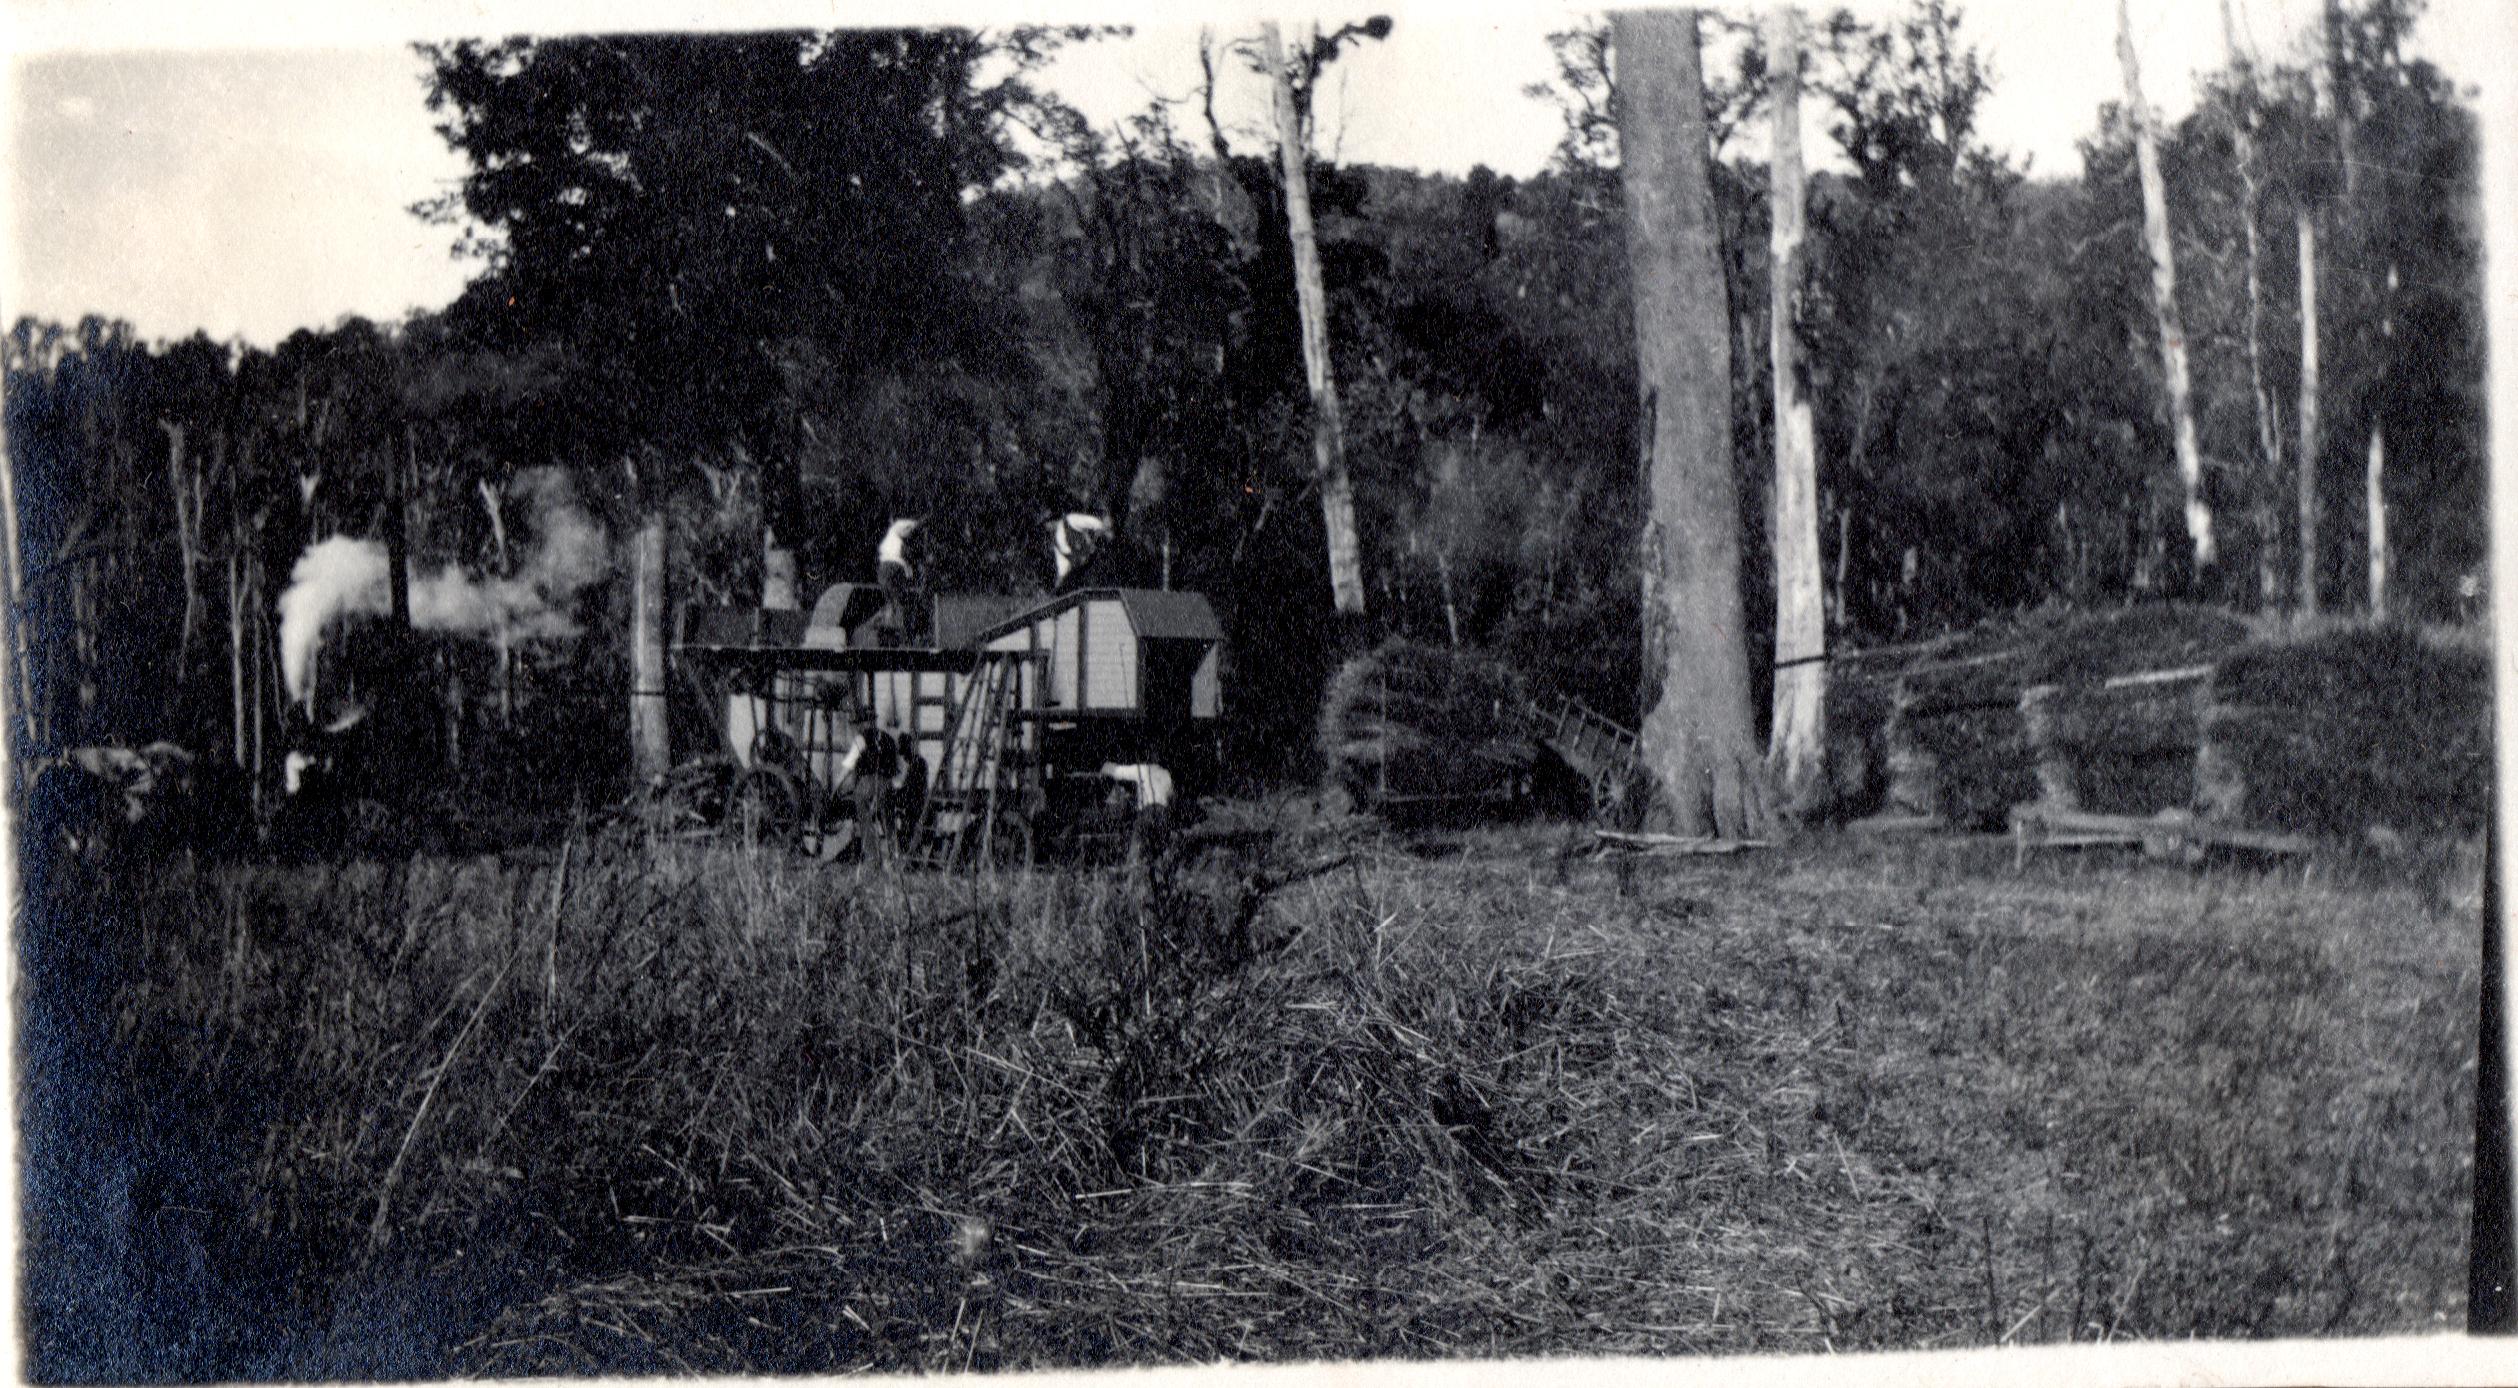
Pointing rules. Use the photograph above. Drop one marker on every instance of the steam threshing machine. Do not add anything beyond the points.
(1034, 725)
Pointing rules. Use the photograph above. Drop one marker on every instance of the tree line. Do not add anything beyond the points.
(742, 299)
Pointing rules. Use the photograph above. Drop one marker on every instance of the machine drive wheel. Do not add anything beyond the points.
(764, 810)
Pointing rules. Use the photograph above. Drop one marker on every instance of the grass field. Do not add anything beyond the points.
(625, 1109)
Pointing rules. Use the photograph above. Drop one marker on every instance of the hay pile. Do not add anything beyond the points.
(2090, 647)
(1861, 695)
(1409, 722)
(2120, 746)
(1960, 741)
(1958, 747)
(2343, 732)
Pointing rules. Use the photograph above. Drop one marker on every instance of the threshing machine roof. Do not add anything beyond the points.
(1157, 614)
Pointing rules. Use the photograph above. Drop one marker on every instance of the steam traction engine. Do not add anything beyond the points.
(1034, 726)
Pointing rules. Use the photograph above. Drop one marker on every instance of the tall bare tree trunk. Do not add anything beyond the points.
(181, 492)
(1328, 431)
(2377, 521)
(2268, 517)
(2311, 438)
(1697, 736)
(1797, 742)
(506, 646)
(2378, 555)
(2331, 64)
(2164, 299)
(28, 723)
(651, 748)
(2310, 445)
(257, 661)
(236, 651)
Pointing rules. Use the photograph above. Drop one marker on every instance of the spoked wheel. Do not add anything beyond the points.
(763, 810)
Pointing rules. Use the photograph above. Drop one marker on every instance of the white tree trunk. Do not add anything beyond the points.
(1337, 489)
(2378, 556)
(257, 661)
(1797, 740)
(2164, 298)
(491, 504)
(2311, 437)
(21, 680)
(2309, 443)
(2268, 426)
(180, 490)
(2378, 521)
(2346, 104)
(651, 751)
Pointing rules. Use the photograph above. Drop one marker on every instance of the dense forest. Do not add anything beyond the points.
(756, 295)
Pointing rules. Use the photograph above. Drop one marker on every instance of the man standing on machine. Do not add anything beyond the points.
(903, 604)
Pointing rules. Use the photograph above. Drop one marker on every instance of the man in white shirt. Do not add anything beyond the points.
(1152, 784)
(899, 579)
(1074, 539)
(873, 761)
(1151, 787)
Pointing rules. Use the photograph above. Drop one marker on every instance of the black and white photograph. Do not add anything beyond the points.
(795, 692)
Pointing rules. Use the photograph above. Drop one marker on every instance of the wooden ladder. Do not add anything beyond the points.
(971, 771)
(1599, 749)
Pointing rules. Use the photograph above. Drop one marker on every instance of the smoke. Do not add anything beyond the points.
(339, 578)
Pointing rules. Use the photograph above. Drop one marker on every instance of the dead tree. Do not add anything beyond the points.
(2173, 363)
(184, 490)
(28, 730)
(2311, 443)
(2243, 128)
(1337, 489)
(506, 653)
(2377, 472)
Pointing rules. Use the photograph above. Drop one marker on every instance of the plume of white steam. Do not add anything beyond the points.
(339, 578)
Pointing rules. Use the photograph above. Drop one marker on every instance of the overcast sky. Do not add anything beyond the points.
(249, 169)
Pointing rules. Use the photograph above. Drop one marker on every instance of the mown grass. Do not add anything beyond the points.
(625, 1109)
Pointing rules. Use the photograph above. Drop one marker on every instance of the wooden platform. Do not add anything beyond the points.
(2173, 833)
